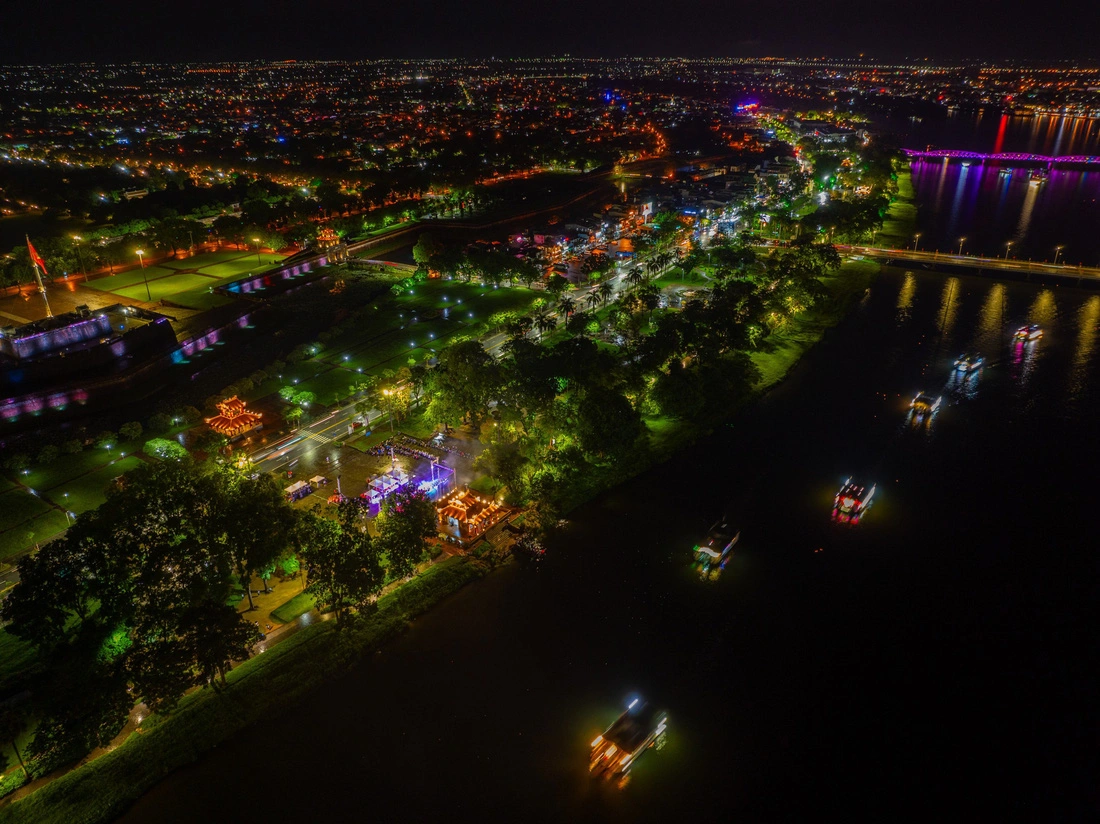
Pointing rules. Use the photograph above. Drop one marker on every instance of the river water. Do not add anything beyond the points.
(936, 656)
(1001, 210)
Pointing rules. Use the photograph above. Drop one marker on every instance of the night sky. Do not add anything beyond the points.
(163, 31)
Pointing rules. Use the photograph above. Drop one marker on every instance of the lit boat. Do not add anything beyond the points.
(852, 501)
(1033, 332)
(717, 547)
(924, 405)
(620, 746)
(969, 362)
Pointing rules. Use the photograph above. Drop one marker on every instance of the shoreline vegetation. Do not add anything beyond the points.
(103, 788)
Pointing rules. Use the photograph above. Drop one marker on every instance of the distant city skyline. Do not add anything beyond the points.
(336, 29)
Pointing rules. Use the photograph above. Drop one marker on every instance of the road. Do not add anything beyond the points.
(975, 262)
(285, 453)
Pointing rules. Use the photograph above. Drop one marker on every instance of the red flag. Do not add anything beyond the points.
(36, 258)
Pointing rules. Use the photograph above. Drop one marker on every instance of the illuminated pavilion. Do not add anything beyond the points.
(233, 419)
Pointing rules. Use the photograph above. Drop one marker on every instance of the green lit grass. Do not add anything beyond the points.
(123, 280)
(299, 605)
(258, 689)
(201, 299)
(66, 467)
(27, 534)
(89, 491)
(165, 287)
(901, 221)
(18, 506)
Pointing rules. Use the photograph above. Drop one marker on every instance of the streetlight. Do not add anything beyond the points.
(962, 240)
(916, 241)
(256, 240)
(1008, 245)
(141, 257)
(873, 233)
(80, 255)
(1057, 251)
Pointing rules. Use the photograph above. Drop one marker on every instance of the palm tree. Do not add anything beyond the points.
(635, 276)
(606, 290)
(566, 305)
(593, 300)
(544, 322)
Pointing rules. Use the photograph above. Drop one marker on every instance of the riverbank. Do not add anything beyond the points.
(900, 222)
(208, 718)
(257, 689)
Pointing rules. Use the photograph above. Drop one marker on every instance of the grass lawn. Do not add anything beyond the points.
(89, 491)
(36, 530)
(783, 348)
(18, 506)
(115, 283)
(166, 287)
(336, 381)
(188, 281)
(65, 468)
(901, 221)
(200, 298)
(300, 604)
(363, 443)
(68, 467)
(233, 269)
(417, 425)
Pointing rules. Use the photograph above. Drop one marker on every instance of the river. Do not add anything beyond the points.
(936, 656)
(998, 210)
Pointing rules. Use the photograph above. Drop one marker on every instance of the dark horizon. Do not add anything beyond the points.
(240, 30)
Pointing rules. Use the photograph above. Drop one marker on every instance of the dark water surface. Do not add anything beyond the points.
(991, 206)
(934, 660)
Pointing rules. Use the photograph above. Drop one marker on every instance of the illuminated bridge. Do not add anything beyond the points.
(1005, 158)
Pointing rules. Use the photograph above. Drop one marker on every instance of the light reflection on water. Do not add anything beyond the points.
(949, 307)
(905, 297)
(990, 333)
(1088, 317)
(991, 205)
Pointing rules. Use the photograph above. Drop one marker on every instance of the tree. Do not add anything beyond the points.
(130, 431)
(343, 566)
(165, 450)
(566, 305)
(18, 462)
(11, 724)
(160, 423)
(215, 637)
(606, 422)
(606, 291)
(556, 285)
(425, 249)
(463, 383)
(48, 454)
(251, 522)
(106, 440)
(407, 518)
(164, 547)
(544, 322)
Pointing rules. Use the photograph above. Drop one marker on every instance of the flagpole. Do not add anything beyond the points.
(38, 278)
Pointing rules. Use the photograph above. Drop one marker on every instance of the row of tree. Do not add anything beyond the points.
(135, 602)
(554, 416)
